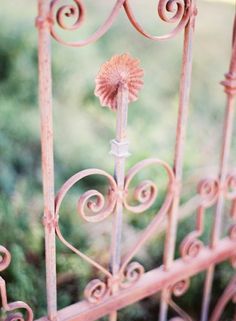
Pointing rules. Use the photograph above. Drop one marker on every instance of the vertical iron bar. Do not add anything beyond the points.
(119, 173)
(185, 83)
(45, 104)
(230, 90)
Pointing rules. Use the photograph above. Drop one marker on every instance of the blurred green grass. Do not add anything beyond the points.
(83, 130)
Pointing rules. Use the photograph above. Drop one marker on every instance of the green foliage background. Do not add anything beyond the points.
(82, 133)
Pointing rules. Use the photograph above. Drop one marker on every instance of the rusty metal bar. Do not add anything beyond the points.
(179, 151)
(126, 282)
(117, 79)
(230, 90)
(121, 127)
(149, 284)
(45, 104)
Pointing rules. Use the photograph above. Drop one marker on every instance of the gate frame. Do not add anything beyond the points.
(127, 282)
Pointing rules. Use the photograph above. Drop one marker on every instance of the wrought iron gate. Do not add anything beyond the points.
(117, 84)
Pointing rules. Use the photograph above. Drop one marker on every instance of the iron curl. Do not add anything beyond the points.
(208, 189)
(59, 14)
(93, 201)
(76, 11)
(95, 291)
(132, 274)
(191, 246)
(5, 258)
(169, 11)
(176, 12)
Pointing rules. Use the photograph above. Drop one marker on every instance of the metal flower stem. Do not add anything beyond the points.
(179, 151)
(230, 90)
(45, 103)
(120, 151)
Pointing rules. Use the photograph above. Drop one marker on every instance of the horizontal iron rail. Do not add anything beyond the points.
(150, 283)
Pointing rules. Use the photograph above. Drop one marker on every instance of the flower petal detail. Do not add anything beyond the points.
(120, 70)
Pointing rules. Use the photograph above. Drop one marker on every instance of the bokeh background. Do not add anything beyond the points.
(83, 130)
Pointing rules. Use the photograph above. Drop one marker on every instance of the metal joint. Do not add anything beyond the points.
(42, 22)
(50, 222)
(119, 149)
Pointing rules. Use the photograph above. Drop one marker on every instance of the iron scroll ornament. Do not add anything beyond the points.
(11, 308)
(117, 84)
(209, 191)
(101, 206)
(176, 12)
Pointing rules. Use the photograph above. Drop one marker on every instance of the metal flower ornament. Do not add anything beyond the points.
(120, 74)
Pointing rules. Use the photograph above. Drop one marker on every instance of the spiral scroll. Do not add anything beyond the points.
(92, 201)
(208, 190)
(76, 11)
(146, 192)
(70, 11)
(170, 11)
(96, 290)
(132, 274)
(11, 308)
(191, 246)
(178, 289)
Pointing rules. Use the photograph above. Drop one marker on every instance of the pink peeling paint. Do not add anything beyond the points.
(117, 84)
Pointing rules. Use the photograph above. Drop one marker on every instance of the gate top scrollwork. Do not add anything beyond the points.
(71, 17)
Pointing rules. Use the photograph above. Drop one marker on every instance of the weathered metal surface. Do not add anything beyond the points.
(45, 104)
(184, 92)
(12, 309)
(223, 179)
(149, 283)
(117, 84)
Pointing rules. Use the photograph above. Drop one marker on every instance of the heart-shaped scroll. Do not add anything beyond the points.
(118, 84)
(102, 206)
